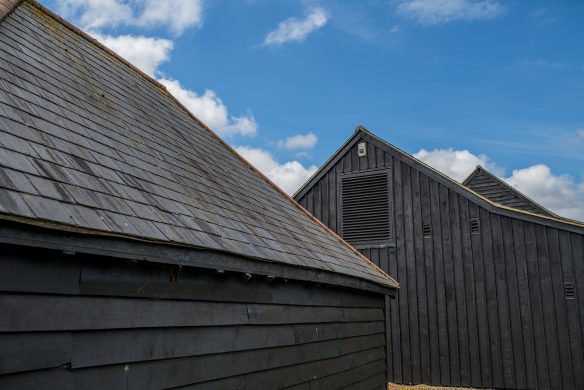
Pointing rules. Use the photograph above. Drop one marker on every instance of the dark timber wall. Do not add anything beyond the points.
(70, 321)
(486, 309)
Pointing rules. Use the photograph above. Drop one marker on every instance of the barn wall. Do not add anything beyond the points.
(482, 310)
(82, 321)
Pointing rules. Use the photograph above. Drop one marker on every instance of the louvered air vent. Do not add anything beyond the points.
(475, 226)
(365, 208)
(426, 229)
(569, 290)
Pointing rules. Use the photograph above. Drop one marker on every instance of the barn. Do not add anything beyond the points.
(490, 281)
(139, 251)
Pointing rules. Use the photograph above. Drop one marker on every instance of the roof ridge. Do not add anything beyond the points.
(161, 88)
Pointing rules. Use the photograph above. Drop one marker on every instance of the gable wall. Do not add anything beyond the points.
(481, 310)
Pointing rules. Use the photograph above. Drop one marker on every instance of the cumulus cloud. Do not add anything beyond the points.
(457, 164)
(443, 11)
(559, 193)
(176, 15)
(299, 141)
(144, 52)
(210, 109)
(296, 30)
(289, 175)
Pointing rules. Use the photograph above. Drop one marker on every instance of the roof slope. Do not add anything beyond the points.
(87, 140)
(481, 200)
(488, 185)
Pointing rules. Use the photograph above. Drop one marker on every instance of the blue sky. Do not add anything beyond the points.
(499, 83)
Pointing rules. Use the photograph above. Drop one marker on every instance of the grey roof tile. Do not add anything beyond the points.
(86, 140)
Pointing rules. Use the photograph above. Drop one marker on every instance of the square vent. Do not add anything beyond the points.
(365, 208)
(426, 229)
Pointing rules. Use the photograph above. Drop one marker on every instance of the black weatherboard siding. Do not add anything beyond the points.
(139, 251)
(489, 296)
(80, 320)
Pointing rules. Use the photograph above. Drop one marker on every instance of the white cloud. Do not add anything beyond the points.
(144, 52)
(210, 109)
(176, 15)
(444, 11)
(559, 193)
(299, 141)
(457, 164)
(296, 30)
(395, 29)
(93, 14)
(289, 175)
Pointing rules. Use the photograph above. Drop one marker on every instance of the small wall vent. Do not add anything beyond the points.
(475, 226)
(362, 149)
(569, 291)
(426, 229)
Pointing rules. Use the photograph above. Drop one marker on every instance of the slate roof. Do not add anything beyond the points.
(490, 186)
(87, 140)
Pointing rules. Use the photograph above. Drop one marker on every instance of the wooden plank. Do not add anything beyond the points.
(33, 351)
(332, 199)
(45, 272)
(47, 313)
(559, 305)
(180, 372)
(548, 318)
(405, 375)
(353, 375)
(449, 288)
(572, 318)
(502, 302)
(460, 323)
(535, 297)
(491, 300)
(520, 380)
(411, 285)
(147, 280)
(577, 244)
(125, 346)
(292, 375)
(420, 293)
(441, 304)
(430, 275)
(523, 288)
(474, 361)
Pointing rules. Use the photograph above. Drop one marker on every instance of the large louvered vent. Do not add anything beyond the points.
(365, 208)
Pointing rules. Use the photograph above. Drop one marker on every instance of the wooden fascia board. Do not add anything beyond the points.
(17, 233)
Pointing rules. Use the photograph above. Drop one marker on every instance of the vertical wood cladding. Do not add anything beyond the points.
(482, 295)
(81, 321)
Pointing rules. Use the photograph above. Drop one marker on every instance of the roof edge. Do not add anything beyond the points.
(163, 89)
(480, 168)
(493, 206)
(50, 228)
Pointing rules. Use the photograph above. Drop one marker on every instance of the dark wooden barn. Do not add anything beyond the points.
(490, 282)
(139, 251)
